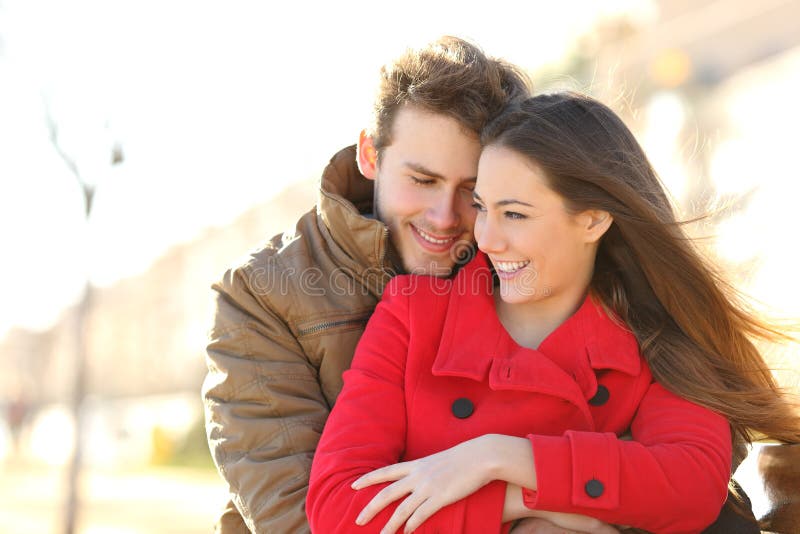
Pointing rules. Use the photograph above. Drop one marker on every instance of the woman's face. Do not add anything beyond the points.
(539, 250)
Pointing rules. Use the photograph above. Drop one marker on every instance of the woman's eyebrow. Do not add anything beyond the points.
(504, 202)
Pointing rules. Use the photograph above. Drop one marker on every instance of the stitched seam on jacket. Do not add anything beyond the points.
(303, 322)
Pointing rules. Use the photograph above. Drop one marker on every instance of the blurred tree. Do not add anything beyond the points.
(88, 187)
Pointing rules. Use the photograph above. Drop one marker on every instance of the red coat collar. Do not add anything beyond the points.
(475, 343)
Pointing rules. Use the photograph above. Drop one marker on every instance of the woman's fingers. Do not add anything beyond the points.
(402, 513)
(381, 500)
(423, 512)
(390, 473)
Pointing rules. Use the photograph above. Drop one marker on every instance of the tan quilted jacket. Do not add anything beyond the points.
(286, 325)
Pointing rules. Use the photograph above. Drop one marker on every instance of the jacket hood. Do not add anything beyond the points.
(345, 208)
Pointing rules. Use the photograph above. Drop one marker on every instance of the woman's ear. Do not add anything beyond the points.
(366, 155)
(595, 223)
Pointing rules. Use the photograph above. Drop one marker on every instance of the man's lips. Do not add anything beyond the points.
(433, 242)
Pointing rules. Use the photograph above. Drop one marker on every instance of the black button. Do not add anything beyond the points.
(601, 397)
(463, 408)
(594, 488)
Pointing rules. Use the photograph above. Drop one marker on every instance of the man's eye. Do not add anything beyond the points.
(478, 206)
(514, 215)
(421, 181)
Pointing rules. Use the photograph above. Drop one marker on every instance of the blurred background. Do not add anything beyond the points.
(146, 146)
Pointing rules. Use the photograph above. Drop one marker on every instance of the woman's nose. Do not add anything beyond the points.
(487, 235)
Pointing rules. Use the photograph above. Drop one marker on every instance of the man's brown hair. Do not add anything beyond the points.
(451, 77)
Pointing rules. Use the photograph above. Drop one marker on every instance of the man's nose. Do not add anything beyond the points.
(443, 215)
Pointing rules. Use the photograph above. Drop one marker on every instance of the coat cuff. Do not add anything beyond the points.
(578, 469)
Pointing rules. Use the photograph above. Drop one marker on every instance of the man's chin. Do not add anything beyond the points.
(431, 268)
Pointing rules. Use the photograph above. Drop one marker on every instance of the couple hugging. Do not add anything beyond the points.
(506, 330)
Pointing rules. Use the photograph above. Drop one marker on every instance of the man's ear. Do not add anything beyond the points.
(595, 223)
(366, 156)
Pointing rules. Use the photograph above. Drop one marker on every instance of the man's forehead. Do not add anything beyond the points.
(434, 145)
(412, 119)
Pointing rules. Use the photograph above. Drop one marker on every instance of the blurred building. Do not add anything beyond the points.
(146, 346)
(679, 75)
(147, 334)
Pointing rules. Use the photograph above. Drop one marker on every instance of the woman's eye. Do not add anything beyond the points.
(477, 206)
(514, 215)
(421, 181)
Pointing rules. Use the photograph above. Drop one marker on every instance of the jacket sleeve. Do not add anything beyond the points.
(367, 430)
(264, 408)
(671, 477)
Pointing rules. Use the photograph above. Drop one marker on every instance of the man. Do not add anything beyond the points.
(288, 320)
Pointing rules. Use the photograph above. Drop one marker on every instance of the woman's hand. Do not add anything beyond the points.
(428, 484)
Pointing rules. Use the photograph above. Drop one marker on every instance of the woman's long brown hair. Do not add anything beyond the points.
(695, 330)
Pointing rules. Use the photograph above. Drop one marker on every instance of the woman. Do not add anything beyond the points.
(506, 401)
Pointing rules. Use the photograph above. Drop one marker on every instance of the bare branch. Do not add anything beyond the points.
(52, 127)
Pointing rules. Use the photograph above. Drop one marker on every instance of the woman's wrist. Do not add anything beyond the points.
(510, 458)
(513, 506)
(491, 456)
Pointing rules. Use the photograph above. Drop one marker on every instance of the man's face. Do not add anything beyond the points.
(424, 184)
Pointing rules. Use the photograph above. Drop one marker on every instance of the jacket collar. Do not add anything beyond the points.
(344, 207)
(475, 343)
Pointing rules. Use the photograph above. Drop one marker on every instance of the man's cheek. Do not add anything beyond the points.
(406, 201)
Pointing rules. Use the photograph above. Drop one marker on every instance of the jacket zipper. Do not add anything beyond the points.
(385, 245)
(331, 324)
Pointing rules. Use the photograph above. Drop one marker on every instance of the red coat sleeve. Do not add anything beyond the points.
(672, 477)
(367, 428)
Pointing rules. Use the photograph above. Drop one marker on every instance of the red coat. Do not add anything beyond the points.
(435, 367)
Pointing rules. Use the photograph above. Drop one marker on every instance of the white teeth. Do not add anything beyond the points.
(510, 266)
(431, 239)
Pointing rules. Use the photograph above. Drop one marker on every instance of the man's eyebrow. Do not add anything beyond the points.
(504, 202)
(421, 169)
(418, 167)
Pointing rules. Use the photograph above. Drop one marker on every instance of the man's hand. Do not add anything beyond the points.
(535, 525)
(545, 522)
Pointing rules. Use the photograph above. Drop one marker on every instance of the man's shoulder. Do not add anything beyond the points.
(292, 246)
(282, 253)
(297, 276)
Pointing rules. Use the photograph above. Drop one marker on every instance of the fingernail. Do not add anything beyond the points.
(360, 520)
(354, 485)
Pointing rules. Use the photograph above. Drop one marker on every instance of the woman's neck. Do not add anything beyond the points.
(530, 323)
